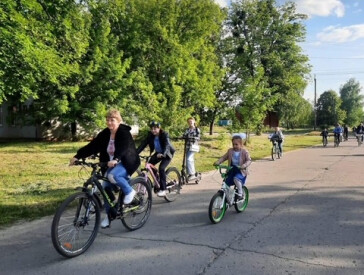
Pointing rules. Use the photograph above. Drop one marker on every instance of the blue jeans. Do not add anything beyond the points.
(117, 176)
(190, 162)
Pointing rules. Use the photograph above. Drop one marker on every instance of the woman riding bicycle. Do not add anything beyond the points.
(158, 141)
(337, 132)
(236, 157)
(116, 146)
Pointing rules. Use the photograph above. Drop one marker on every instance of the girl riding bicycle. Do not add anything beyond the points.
(116, 146)
(239, 158)
(158, 141)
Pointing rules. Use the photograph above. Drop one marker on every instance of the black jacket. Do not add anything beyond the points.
(166, 145)
(124, 148)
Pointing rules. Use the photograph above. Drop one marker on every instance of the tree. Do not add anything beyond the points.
(328, 109)
(267, 61)
(352, 102)
(295, 111)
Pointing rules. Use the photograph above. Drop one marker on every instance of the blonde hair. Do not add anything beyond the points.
(114, 114)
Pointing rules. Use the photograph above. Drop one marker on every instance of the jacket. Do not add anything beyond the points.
(125, 150)
(167, 148)
(244, 162)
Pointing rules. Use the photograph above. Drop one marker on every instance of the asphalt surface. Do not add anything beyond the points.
(305, 216)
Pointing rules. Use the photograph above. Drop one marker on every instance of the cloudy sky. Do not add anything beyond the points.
(334, 42)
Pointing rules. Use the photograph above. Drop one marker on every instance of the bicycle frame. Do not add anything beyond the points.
(94, 181)
(149, 171)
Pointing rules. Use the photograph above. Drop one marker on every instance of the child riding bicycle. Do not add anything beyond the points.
(239, 158)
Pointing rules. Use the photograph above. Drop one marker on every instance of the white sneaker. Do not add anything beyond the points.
(105, 223)
(161, 193)
(129, 197)
(192, 177)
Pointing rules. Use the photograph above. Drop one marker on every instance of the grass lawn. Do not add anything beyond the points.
(35, 176)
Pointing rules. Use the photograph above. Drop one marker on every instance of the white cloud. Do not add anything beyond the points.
(341, 34)
(222, 3)
(321, 7)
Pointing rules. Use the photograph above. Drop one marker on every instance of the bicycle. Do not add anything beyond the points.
(276, 152)
(324, 141)
(226, 197)
(359, 138)
(184, 174)
(336, 140)
(150, 176)
(77, 220)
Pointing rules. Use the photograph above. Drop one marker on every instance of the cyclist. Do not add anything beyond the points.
(158, 141)
(360, 130)
(193, 133)
(338, 130)
(278, 135)
(116, 146)
(237, 156)
(324, 135)
(346, 132)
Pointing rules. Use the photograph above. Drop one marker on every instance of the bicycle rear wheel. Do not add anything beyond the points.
(75, 224)
(217, 208)
(136, 214)
(240, 205)
(173, 183)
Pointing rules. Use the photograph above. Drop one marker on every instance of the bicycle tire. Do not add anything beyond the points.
(243, 203)
(75, 224)
(173, 183)
(273, 153)
(216, 212)
(136, 214)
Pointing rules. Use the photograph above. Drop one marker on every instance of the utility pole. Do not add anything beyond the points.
(315, 105)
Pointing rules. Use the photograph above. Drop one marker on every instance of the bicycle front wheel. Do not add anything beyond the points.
(173, 183)
(273, 152)
(217, 208)
(240, 205)
(75, 224)
(136, 214)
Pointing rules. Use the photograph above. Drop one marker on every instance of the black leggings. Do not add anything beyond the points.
(162, 168)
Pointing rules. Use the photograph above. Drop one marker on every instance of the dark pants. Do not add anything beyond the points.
(162, 168)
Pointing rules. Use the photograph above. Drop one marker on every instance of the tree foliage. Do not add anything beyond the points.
(352, 102)
(328, 109)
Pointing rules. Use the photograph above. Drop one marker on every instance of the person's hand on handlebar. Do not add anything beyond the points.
(112, 163)
(72, 161)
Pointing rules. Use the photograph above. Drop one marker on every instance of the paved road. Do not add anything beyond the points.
(305, 216)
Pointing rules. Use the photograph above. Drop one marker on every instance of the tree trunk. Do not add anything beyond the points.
(212, 122)
(74, 130)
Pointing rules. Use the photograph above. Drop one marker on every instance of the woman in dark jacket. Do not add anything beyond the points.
(158, 141)
(116, 147)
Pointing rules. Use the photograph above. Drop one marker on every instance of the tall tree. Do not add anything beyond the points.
(268, 62)
(328, 109)
(352, 102)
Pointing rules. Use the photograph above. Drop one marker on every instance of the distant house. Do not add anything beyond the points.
(225, 122)
(271, 119)
(10, 126)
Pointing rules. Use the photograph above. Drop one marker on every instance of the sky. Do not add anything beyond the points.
(334, 42)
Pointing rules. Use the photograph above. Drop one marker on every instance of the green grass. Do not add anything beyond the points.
(35, 176)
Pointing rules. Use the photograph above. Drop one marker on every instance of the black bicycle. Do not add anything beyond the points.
(77, 220)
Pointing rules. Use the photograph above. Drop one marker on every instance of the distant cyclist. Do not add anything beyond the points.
(360, 130)
(278, 135)
(324, 135)
(338, 132)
